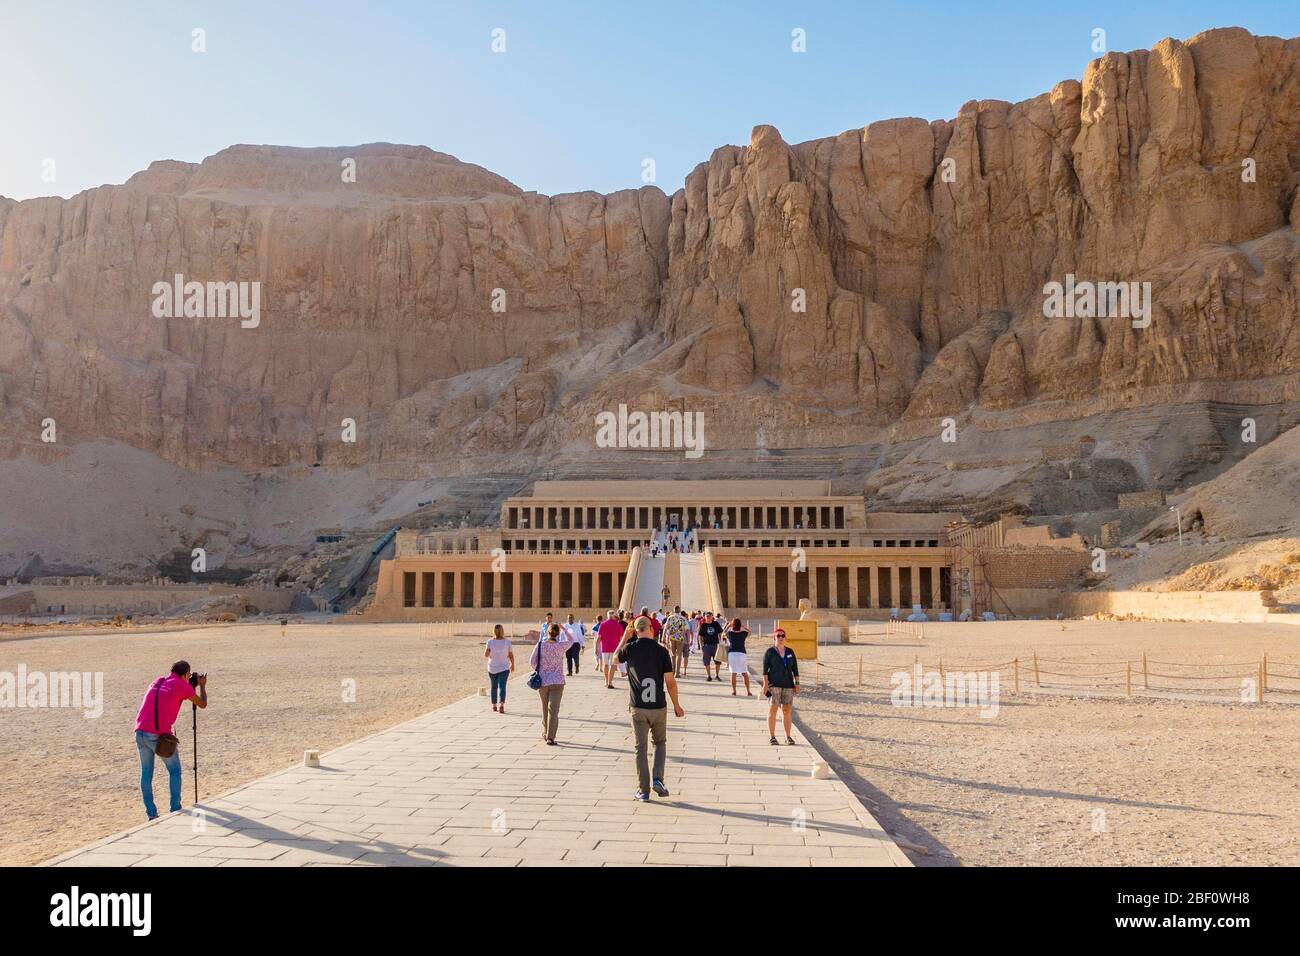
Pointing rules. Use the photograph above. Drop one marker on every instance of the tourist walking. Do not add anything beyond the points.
(608, 637)
(577, 634)
(500, 656)
(693, 623)
(677, 633)
(629, 629)
(780, 683)
(655, 626)
(625, 618)
(737, 663)
(548, 662)
(710, 637)
(153, 730)
(650, 672)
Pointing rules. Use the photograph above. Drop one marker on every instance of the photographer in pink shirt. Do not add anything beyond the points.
(158, 711)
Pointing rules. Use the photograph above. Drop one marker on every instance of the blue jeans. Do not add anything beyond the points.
(145, 743)
(499, 684)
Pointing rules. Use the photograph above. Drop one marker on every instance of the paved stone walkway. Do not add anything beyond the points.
(463, 786)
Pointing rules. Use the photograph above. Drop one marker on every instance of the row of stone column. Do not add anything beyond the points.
(546, 590)
(880, 593)
(653, 517)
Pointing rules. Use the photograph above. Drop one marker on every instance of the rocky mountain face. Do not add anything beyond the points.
(846, 292)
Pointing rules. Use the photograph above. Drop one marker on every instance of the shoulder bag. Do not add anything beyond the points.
(535, 678)
(167, 743)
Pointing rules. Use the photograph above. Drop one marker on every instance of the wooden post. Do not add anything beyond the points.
(1037, 682)
(1015, 676)
(1128, 678)
(1145, 684)
(859, 670)
(1264, 672)
(941, 669)
(1259, 685)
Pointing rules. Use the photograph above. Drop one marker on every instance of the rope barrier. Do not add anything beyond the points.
(1202, 677)
(1060, 660)
(1225, 664)
(1088, 676)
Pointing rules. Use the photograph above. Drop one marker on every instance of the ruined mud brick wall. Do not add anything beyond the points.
(1069, 451)
(1040, 536)
(20, 602)
(1028, 602)
(1033, 567)
(1135, 500)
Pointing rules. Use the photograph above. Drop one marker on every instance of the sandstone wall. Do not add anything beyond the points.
(128, 599)
(1226, 606)
(923, 295)
(376, 306)
(1141, 500)
(1034, 567)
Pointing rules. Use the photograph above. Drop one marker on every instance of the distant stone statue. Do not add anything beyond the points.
(832, 626)
(823, 617)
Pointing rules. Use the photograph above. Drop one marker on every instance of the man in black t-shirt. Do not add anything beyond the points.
(649, 672)
(710, 636)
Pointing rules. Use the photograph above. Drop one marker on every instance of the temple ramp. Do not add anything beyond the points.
(648, 591)
(694, 591)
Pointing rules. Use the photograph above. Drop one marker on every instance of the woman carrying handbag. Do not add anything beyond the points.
(548, 678)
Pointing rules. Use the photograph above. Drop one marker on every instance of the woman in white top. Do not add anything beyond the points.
(501, 664)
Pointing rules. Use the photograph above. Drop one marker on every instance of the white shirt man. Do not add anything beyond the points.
(573, 631)
(576, 631)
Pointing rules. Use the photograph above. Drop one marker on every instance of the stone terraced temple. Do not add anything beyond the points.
(744, 547)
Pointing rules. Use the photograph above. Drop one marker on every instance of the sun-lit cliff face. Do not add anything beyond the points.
(847, 290)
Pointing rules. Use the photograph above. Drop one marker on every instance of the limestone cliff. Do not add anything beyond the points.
(463, 323)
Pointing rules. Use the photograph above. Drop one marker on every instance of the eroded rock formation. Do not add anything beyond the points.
(919, 251)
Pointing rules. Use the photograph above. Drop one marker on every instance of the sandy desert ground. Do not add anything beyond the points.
(69, 780)
(1067, 780)
(1050, 780)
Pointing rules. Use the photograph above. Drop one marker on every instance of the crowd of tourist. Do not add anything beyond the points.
(678, 543)
(649, 651)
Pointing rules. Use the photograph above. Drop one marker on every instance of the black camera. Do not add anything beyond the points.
(194, 679)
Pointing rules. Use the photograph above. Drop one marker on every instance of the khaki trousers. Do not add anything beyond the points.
(650, 723)
(551, 696)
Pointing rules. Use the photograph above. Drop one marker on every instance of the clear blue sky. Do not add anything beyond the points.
(583, 93)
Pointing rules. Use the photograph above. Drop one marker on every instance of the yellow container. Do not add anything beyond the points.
(801, 637)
